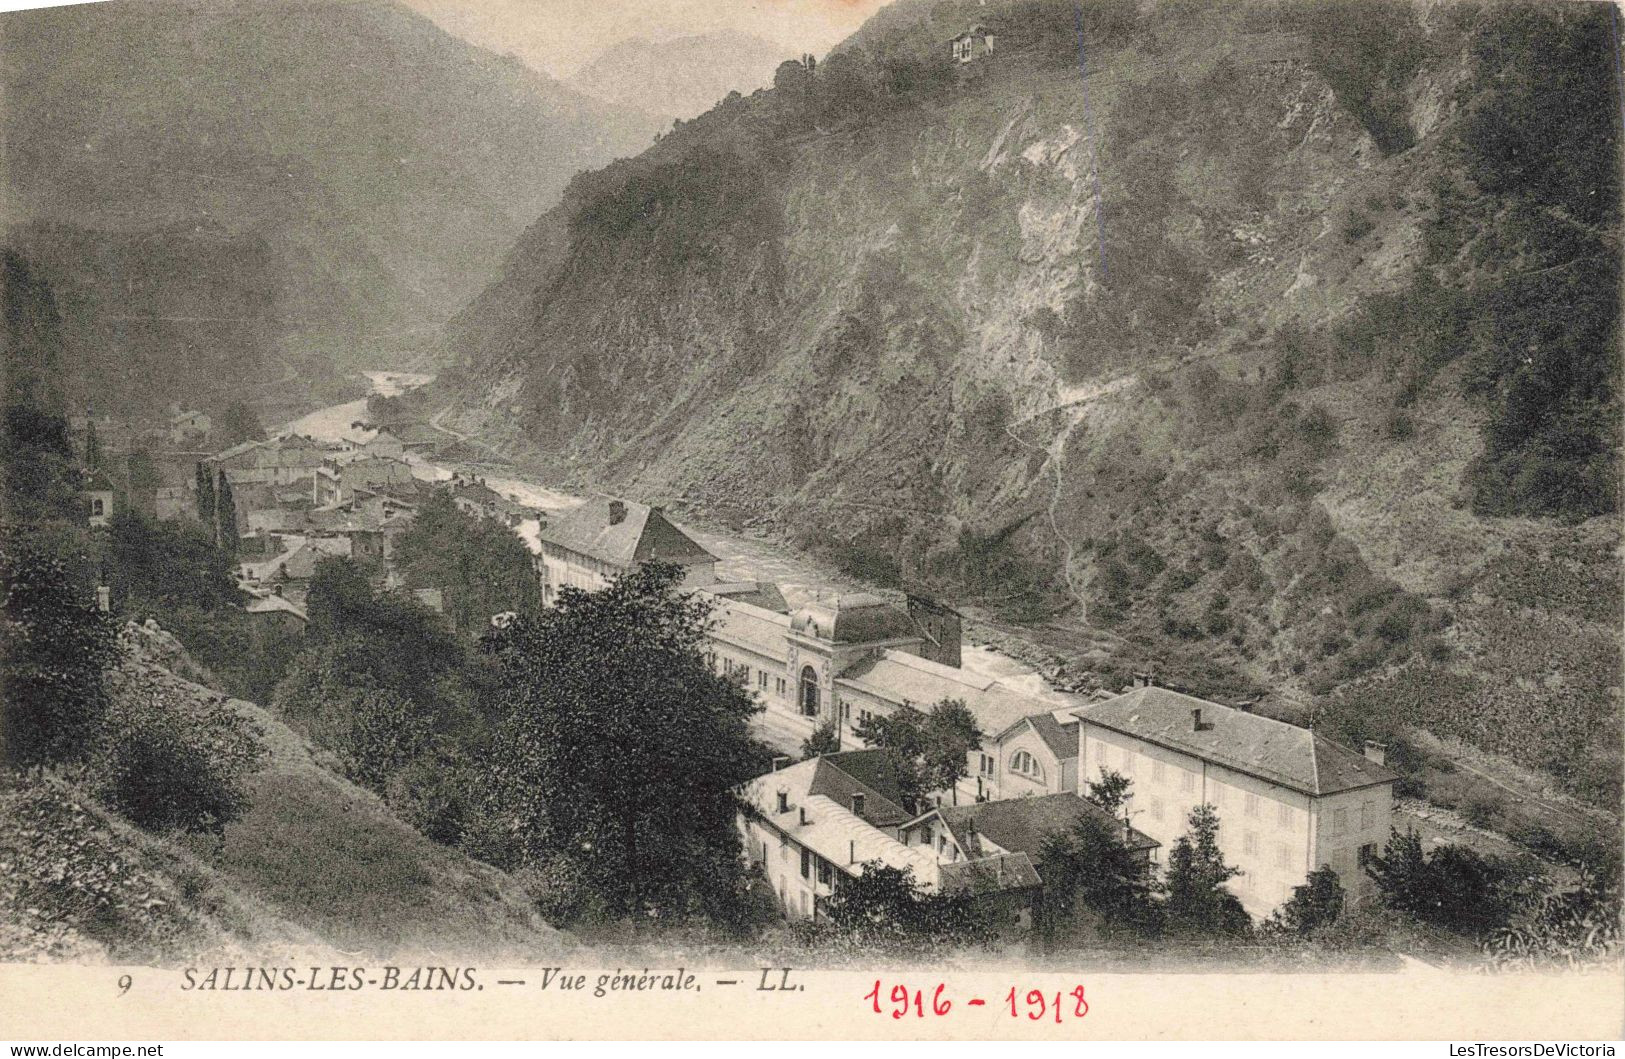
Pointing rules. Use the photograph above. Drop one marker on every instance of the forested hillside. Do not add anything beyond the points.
(1272, 346)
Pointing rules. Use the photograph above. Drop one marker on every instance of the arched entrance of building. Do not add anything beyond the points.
(809, 692)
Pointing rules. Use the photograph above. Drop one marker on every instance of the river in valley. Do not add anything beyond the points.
(740, 558)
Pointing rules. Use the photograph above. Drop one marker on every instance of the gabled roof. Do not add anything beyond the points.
(866, 772)
(1005, 871)
(641, 534)
(237, 450)
(764, 594)
(741, 623)
(899, 677)
(1271, 750)
(1020, 825)
(1060, 736)
(272, 604)
(831, 829)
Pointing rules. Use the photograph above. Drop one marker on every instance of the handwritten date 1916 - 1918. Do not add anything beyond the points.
(1036, 1005)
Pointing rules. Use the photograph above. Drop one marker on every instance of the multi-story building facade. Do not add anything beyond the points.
(843, 658)
(811, 825)
(1289, 801)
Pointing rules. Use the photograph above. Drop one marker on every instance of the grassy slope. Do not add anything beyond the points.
(317, 864)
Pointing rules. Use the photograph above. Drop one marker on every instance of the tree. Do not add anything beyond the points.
(359, 638)
(825, 739)
(884, 907)
(225, 519)
(203, 494)
(55, 647)
(1089, 868)
(1197, 902)
(1451, 887)
(1561, 926)
(480, 565)
(236, 424)
(37, 465)
(928, 750)
(618, 748)
(167, 564)
(169, 761)
(1315, 905)
(93, 447)
(1112, 791)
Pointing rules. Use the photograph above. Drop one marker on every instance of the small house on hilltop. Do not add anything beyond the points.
(975, 43)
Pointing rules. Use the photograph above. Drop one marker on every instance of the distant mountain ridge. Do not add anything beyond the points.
(682, 76)
(210, 183)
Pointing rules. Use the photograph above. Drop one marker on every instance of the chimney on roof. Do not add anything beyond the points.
(1246, 705)
(779, 762)
(617, 512)
(784, 801)
(1376, 751)
(852, 851)
(857, 804)
(803, 813)
(1145, 679)
(1197, 724)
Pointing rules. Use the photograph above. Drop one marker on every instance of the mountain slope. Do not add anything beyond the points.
(211, 183)
(1230, 354)
(683, 76)
(316, 867)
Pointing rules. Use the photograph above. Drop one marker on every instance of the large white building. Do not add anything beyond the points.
(1289, 801)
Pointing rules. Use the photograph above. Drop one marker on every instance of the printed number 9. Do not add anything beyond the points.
(124, 983)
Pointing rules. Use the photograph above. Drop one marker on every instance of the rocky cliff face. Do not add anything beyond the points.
(1191, 342)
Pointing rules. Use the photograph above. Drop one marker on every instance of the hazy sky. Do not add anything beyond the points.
(559, 36)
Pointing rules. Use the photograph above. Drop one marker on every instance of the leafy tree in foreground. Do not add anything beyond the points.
(1088, 868)
(38, 472)
(168, 763)
(929, 750)
(1315, 905)
(618, 750)
(480, 564)
(885, 907)
(55, 646)
(167, 563)
(1451, 887)
(1561, 926)
(1197, 902)
(1112, 791)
